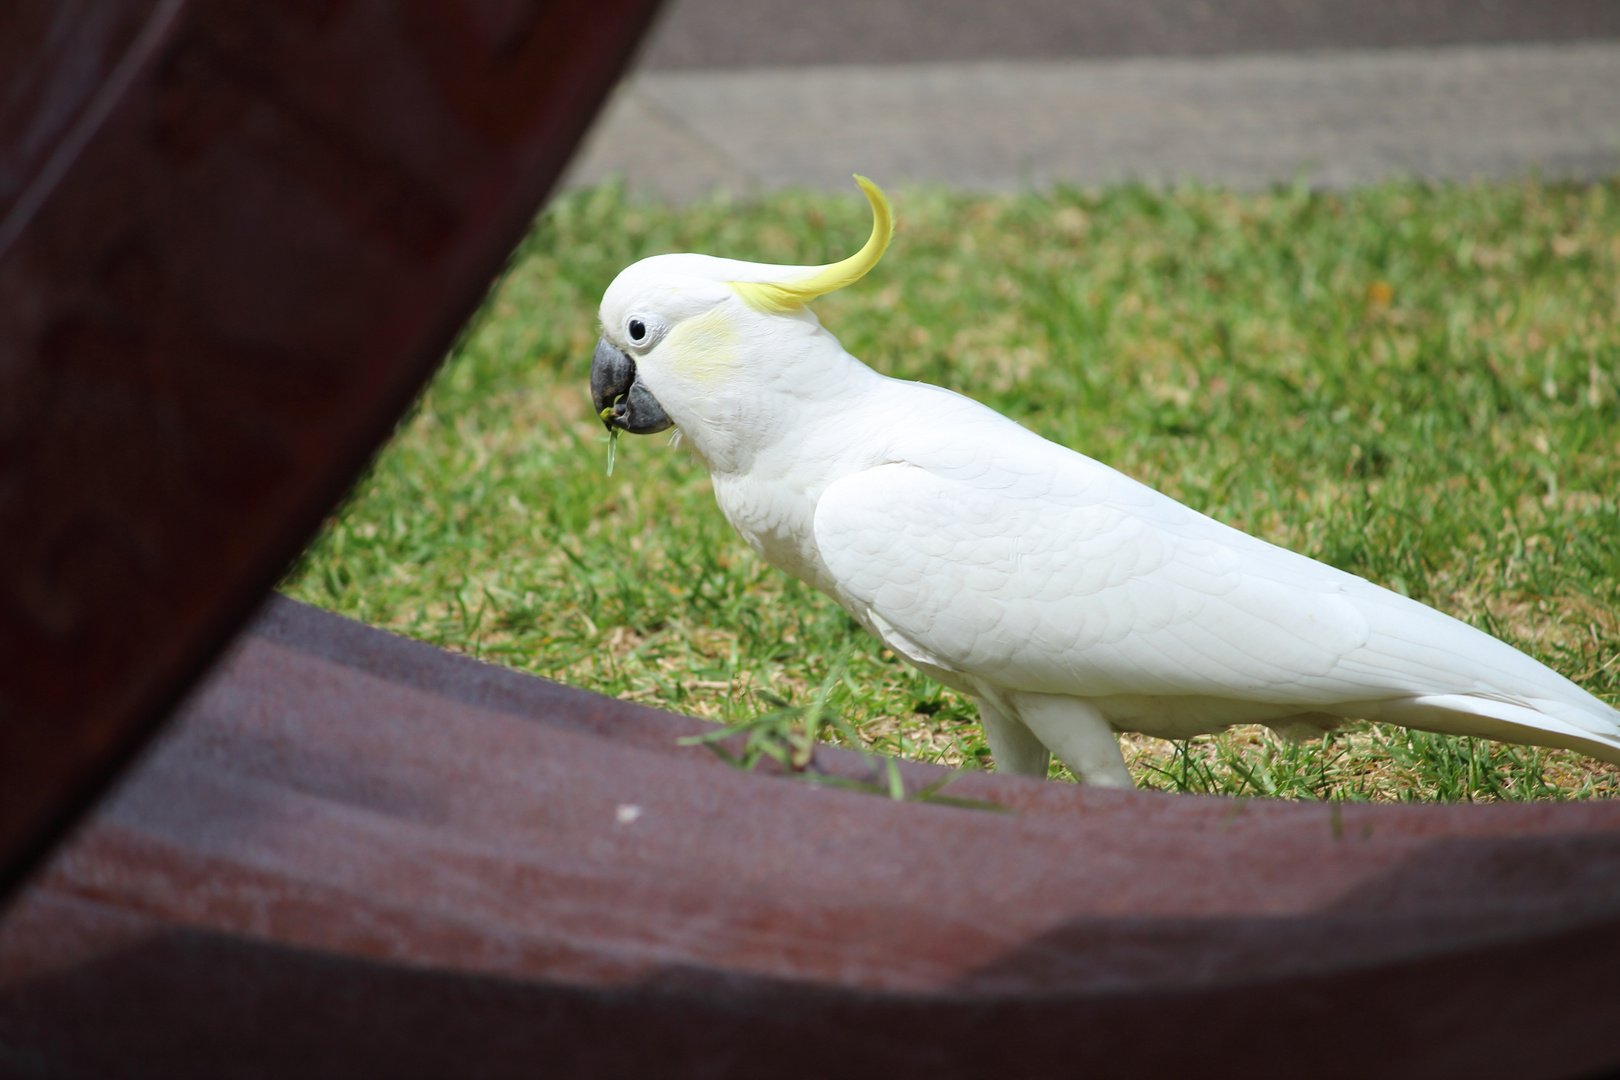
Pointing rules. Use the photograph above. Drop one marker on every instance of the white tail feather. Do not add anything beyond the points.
(1533, 724)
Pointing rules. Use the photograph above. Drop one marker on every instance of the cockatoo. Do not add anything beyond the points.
(1068, 600)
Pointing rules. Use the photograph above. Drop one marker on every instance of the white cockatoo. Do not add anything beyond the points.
(1068, 600)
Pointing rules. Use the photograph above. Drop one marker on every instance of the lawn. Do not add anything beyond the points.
(1418, 384)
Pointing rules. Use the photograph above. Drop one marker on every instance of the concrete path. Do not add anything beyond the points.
(1339, 117)
(711, 34)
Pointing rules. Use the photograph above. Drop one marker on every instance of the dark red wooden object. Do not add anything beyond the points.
(235, 235)
(360, 856)
(235, 238)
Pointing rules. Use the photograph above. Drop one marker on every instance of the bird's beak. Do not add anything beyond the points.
(621, 401)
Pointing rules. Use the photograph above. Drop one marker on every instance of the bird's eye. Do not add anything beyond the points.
(638, 330)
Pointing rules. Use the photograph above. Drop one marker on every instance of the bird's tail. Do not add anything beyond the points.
(1593, 729)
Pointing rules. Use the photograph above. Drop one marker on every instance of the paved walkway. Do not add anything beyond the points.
(1339, 117)
(712, 34)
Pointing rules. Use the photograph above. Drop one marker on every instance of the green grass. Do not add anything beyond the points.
(1417, 384)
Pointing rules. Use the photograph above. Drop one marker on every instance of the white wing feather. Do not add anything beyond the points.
(993, 552)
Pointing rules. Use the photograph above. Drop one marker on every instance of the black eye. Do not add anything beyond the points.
(638, 330)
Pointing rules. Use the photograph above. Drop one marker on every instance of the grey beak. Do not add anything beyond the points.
(622, 402)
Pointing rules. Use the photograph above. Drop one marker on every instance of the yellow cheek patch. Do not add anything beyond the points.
(704, 347)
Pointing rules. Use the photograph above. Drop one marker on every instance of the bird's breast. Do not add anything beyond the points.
(778, 521)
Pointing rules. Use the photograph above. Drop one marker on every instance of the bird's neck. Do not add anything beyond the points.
(795, 407)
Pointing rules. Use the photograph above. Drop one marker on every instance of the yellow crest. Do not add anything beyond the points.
(784, 296)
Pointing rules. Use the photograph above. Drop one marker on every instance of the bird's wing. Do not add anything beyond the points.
(1060, 575)
(1079, 595)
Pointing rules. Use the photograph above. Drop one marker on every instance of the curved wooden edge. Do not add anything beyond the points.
(235, 239)
(358, 852)
(185, 1004)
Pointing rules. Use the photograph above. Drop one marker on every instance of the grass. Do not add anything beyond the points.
(1417, 384)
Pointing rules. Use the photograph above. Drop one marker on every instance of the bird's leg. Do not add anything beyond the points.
(1078, 734)
(1014, 746)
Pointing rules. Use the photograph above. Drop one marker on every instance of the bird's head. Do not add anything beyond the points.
(694, 341)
